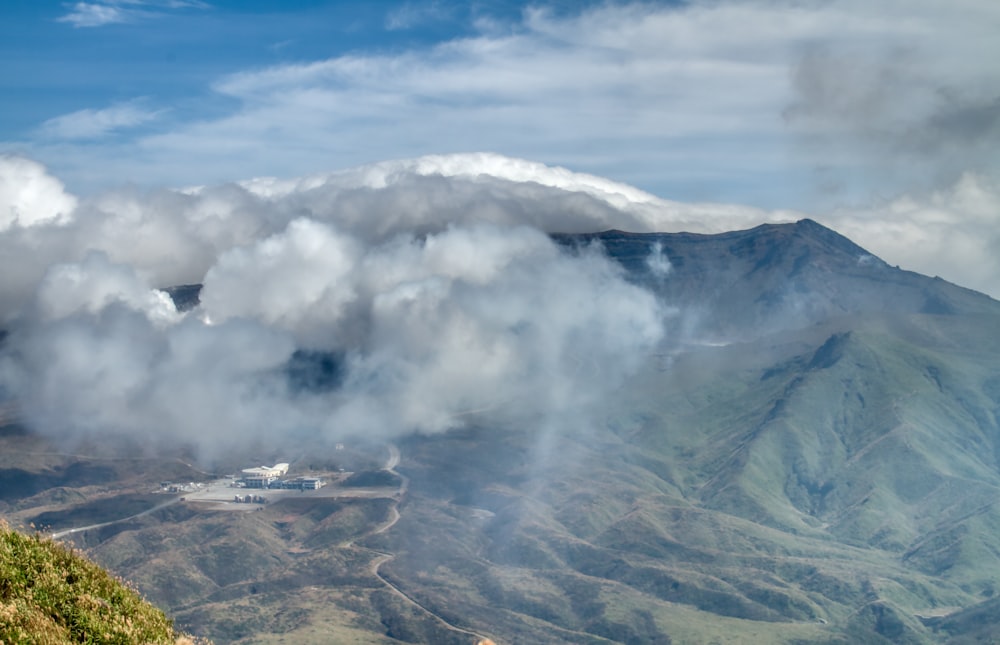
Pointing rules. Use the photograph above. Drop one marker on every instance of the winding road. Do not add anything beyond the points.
(383, 557)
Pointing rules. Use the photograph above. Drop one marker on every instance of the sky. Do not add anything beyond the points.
(772, 103)
(879, 119)
(377, 180)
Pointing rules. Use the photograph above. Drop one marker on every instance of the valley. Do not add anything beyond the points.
(212, 496)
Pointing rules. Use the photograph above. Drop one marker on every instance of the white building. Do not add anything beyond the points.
(312, 483)
(262, 476)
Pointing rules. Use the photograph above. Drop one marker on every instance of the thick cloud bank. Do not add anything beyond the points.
(427, 290)
(434, 299)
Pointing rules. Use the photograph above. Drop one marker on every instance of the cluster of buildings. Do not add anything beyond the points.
(270, 477)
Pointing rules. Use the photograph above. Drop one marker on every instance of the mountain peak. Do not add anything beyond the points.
(742, 284)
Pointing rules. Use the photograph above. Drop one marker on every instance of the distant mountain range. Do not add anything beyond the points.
(813, 456)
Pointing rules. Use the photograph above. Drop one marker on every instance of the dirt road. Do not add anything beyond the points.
(383, 557)
(80, 529)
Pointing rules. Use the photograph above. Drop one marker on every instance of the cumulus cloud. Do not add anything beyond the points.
(299, 280)
(493, 323)
(116, 374)
(96, 283)
(29, 195)
(441, 298)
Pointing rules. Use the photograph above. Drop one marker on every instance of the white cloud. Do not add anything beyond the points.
(555, 88)
(439, 318)
(954, 233)
(93, 124)
(89, 14)
(108, 12)
(431, 277)
(432, 281)
(298, 280)
(94, 284)
(413, 14)
(778, 102)
(30, 196)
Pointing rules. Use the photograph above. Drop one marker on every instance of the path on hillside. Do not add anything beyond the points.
(383, 557)
(101, 525)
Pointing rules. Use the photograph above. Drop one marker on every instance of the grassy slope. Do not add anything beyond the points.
(49, 594)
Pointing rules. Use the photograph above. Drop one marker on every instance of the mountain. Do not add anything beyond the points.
(812, 456)
(774, 277)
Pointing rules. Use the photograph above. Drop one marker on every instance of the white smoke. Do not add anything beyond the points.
(657, 262)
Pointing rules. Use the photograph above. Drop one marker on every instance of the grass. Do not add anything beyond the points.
(50, 594)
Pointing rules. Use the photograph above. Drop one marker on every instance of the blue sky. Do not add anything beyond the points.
(775, 104)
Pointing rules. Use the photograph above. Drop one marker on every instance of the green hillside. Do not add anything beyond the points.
(837, 485)
(52, 595)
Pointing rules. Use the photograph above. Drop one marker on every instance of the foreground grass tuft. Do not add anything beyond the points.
(52, 595)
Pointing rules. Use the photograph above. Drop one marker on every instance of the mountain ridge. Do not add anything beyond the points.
(785, 267)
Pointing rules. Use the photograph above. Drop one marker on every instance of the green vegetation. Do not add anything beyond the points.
(52, 595)
(372, 478)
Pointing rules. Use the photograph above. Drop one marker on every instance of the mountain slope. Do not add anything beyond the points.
(836, 480)
(836, 493)
(812, 456)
